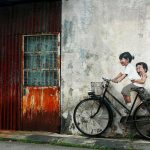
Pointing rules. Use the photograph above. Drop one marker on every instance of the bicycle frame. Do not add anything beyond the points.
(106, 91)
(98, 110)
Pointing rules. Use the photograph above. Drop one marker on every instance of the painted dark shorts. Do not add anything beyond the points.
(128, 88)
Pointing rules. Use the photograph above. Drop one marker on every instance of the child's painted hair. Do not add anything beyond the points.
(145, 67)
(126, 55)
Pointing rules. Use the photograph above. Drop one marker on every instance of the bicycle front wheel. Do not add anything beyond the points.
(92, 117)
(142, 119)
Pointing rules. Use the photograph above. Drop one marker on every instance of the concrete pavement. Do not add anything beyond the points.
(7, 145)
(74, 140)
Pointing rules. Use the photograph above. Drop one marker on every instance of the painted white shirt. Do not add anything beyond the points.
(132, 74)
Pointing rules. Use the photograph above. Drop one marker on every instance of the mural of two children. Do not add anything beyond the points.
(137, 75)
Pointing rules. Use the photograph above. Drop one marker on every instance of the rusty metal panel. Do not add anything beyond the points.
(9, 84)
(32, 18)
(41, 107)
(15, 21)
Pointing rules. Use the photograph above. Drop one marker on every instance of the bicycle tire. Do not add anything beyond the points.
(89, 120)
(142, 119)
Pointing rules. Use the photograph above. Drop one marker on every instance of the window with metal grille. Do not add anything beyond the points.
(40, 60)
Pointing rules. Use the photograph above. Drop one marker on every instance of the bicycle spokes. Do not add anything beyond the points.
(142, 120)
(91, 117)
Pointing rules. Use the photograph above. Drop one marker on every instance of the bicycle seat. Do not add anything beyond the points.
(138, 89)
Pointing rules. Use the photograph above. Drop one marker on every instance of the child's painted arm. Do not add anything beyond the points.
(140, 81)
(116, 78)
(121, 77)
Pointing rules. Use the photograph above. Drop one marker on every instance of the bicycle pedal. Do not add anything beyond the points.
(127, 119)
(123, 119)
(127, 112)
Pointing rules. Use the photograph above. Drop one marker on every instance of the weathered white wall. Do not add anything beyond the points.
(94, 33)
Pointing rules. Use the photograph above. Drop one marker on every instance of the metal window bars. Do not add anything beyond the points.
(40, 60)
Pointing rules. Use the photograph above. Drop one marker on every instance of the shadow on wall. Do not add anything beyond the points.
(66, 120)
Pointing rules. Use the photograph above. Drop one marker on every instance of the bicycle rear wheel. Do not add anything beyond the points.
(142, 119)
(92, 117)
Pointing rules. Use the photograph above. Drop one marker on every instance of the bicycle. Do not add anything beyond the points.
(93, 115)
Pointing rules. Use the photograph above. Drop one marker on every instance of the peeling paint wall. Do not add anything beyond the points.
(94, 33)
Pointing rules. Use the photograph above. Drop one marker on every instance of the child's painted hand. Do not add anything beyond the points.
(133, 80)
(114, 80)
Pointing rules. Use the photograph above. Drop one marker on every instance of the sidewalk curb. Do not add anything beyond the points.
(73, 140)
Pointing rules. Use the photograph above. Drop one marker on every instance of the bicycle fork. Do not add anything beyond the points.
(97, 110)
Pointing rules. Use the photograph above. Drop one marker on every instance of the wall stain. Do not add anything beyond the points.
(68, 26)
(70, 66)
(83, 55)
(70, 91)
(88, 69)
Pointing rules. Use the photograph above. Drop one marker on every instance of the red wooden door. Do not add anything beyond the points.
(41, 90)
